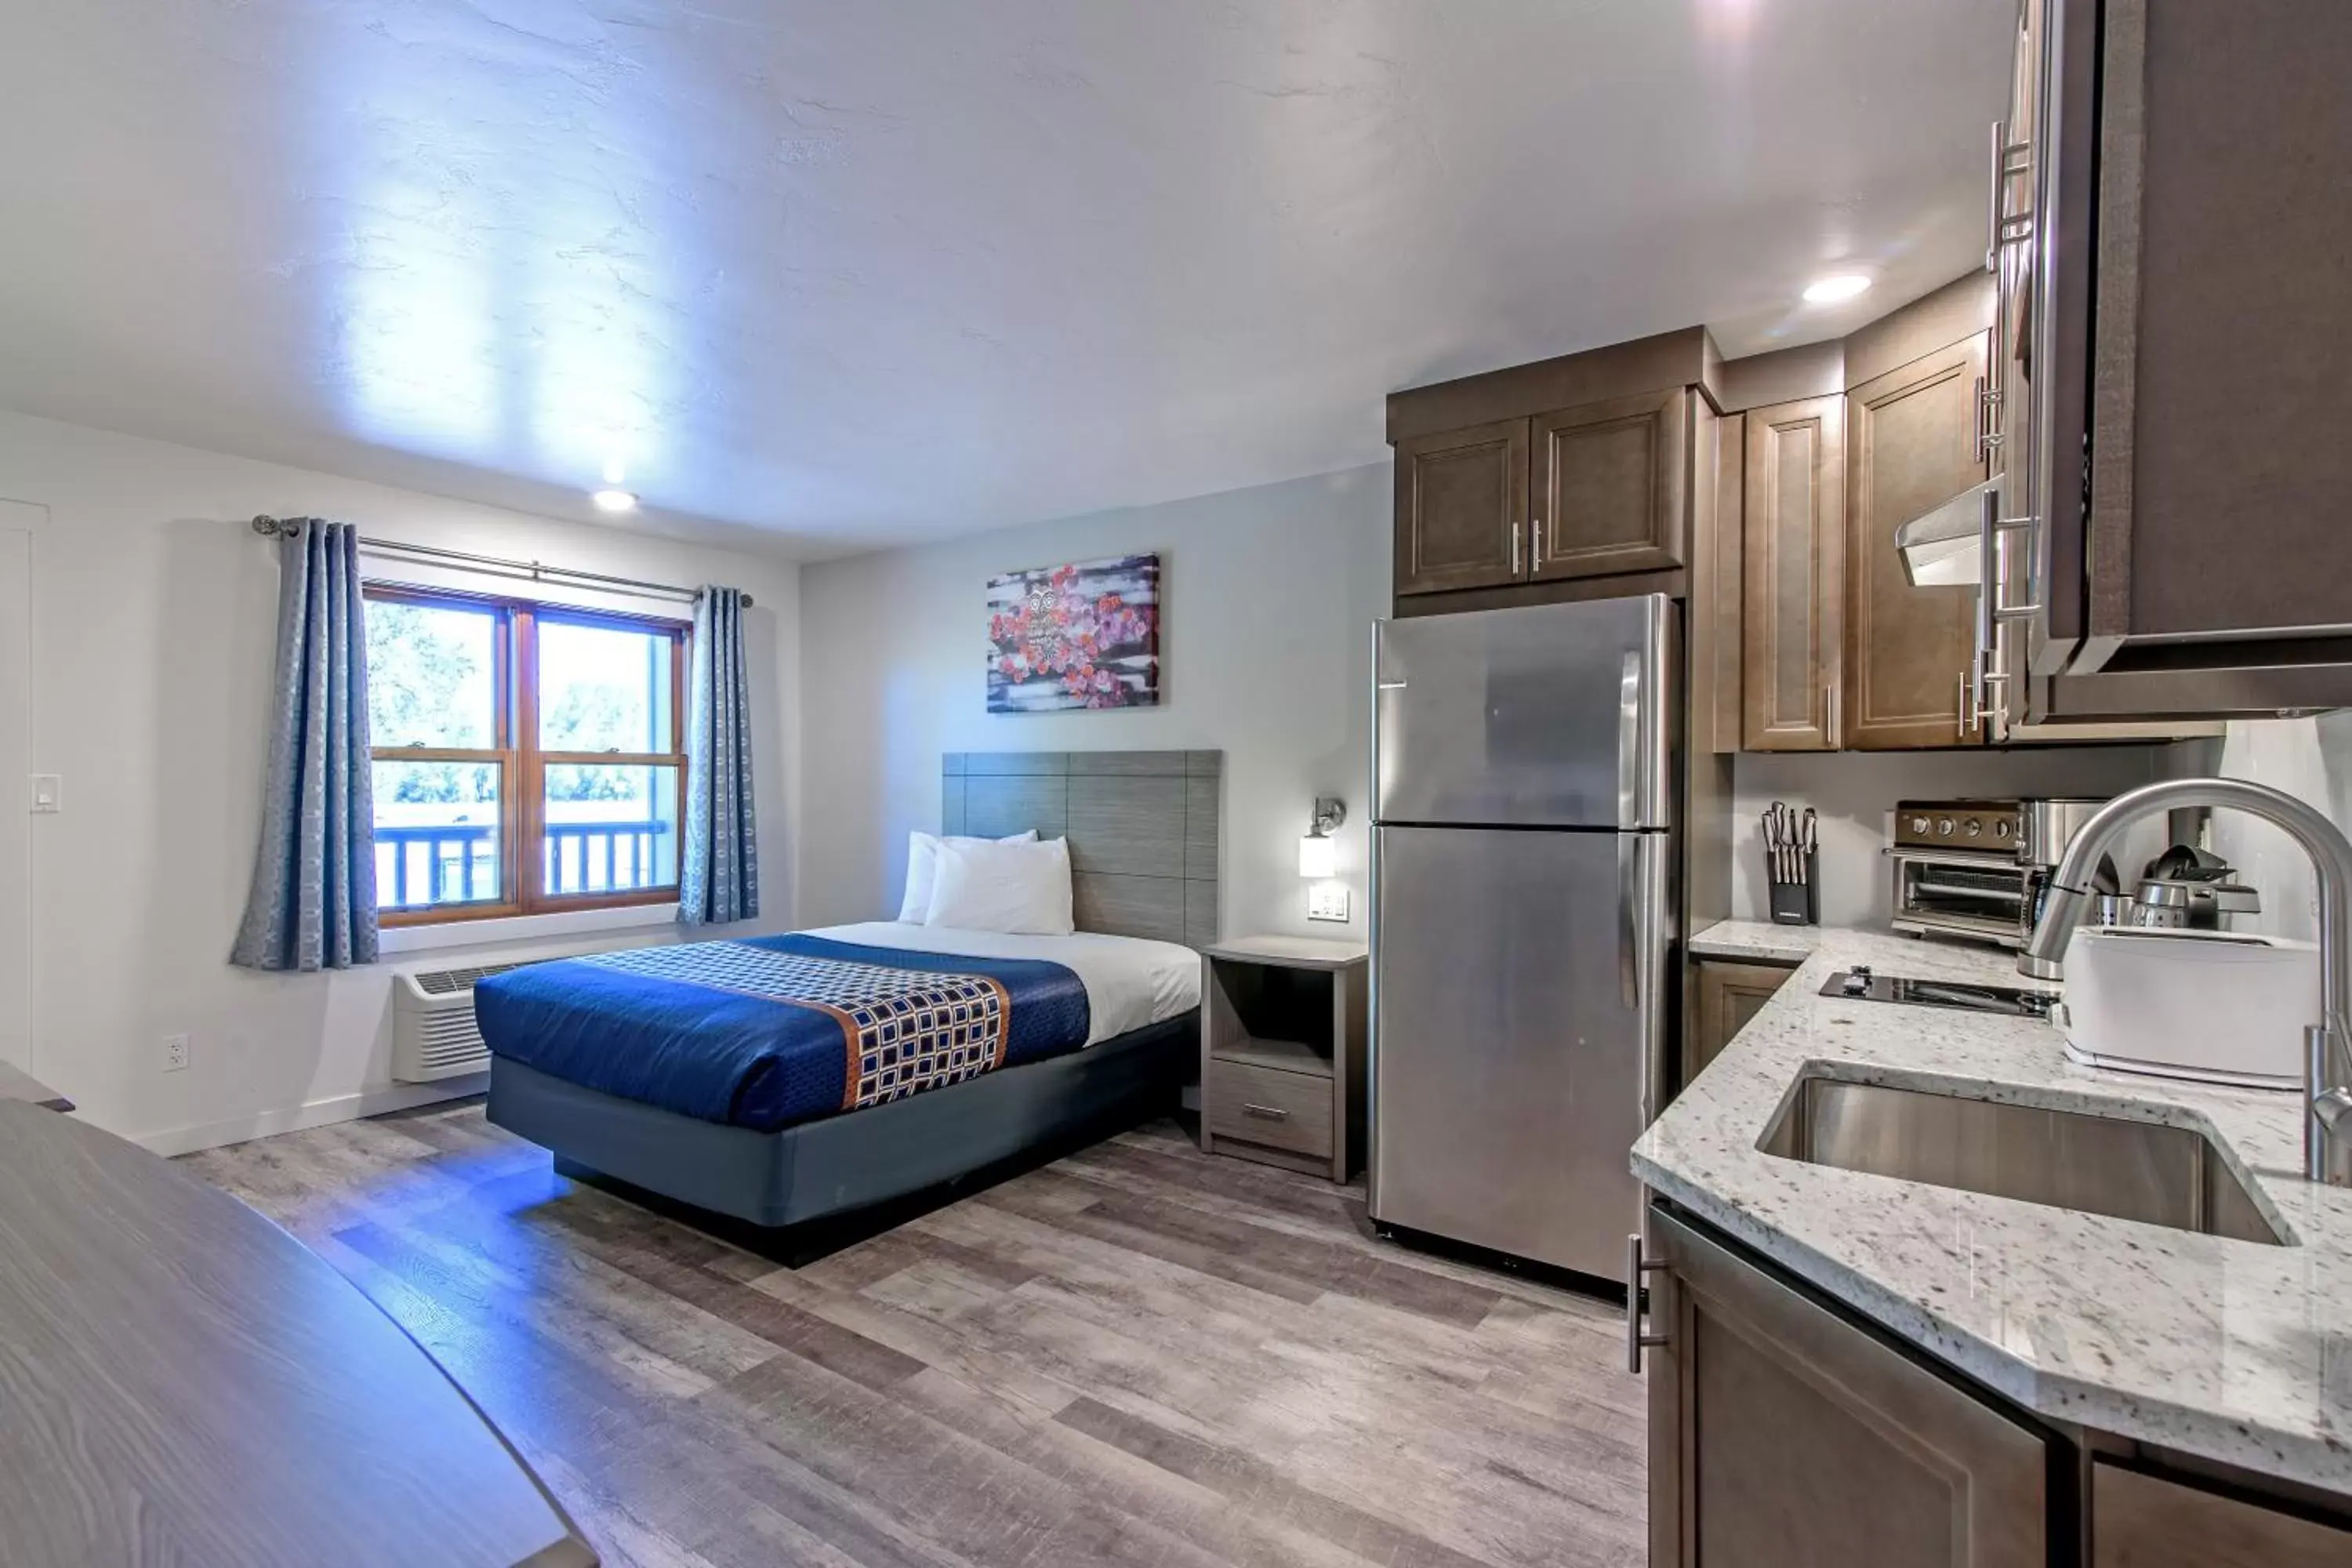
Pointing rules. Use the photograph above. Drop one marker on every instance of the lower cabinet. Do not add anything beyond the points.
(1786, 1434)
(2139, 1520)
(1726, 994)
(1782, 1436)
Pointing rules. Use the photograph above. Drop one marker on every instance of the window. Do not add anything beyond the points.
(528, 759)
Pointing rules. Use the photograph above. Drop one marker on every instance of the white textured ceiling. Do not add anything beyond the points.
(855, 271)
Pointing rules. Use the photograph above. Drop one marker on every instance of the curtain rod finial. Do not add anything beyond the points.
(264, 525)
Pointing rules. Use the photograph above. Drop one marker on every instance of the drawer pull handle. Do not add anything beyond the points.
(1269, 1112)
(1636, 1265)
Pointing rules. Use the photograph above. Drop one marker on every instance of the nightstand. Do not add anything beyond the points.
(1282, 1052)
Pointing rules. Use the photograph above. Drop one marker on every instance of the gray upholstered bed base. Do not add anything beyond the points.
(850, 1161)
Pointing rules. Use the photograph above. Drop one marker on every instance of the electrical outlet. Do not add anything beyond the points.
(1328, 901)
(175, 1052)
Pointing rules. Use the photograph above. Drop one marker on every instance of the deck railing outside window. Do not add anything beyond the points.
(422, 864)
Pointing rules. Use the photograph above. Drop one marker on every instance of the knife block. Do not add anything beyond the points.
(1795, 903)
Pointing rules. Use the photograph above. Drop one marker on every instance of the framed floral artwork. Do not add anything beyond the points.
(1082, 636)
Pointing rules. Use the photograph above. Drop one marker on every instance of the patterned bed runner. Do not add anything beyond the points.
(904, 1030)
(764, 1032)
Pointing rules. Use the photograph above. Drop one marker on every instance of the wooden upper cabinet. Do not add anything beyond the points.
(1911, 445)
(1612, 487)
(1565, 479)
(1462, 508)
(1782, 1436)
(1794, 570)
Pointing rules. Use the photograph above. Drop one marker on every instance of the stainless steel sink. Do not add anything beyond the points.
(2099, 1164)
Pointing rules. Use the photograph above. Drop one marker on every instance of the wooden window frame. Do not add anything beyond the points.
(515, 752)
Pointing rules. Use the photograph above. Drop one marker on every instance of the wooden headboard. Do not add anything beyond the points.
(1143, 827)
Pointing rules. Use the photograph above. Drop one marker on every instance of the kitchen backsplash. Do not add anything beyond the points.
(2310, 759)
(1855, 791)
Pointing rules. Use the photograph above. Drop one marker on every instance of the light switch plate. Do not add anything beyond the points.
(1328, 901)
(49, 792)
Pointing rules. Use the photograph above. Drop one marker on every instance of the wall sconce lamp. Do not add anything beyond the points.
(1319, 854)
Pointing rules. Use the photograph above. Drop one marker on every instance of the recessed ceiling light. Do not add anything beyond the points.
(1830, 290)
(613, 500)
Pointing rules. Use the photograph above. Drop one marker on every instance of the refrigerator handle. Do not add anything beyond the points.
(1641, 909)
(1630, 693)
(1628, 919)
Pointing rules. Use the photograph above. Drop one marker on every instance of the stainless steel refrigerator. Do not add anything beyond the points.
(1522, 921)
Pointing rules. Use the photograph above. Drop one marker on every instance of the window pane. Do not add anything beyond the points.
(432, 676)
(610, 830)
(601, 688)
(436, 835)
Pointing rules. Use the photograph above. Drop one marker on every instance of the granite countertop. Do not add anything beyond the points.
(1758, 942)
(2231, 1349)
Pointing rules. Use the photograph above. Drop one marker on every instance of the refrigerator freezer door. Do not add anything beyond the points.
(1518, 980)
(1554, 715)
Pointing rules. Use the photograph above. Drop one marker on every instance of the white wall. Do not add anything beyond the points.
(2310, 759)
(16, 524)
(1855, 791)
(1269, 598)
(152, 619)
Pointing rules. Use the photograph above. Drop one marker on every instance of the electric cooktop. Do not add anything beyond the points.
(1859, 984)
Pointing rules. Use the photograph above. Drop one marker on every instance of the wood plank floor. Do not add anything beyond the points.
(1137, 1354)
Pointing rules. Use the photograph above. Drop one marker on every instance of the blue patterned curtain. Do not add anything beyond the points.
(312, 905)
(720, 878)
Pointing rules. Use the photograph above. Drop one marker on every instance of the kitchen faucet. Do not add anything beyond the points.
(2327, 1043)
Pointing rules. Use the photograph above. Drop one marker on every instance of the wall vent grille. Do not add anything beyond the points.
(433, 1035)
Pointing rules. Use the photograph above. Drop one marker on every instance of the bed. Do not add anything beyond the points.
(781, 1080)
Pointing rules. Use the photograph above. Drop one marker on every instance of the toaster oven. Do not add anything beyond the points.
(1977, 869)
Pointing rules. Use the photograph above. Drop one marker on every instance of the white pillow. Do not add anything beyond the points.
(922, 866)
(1021, 890)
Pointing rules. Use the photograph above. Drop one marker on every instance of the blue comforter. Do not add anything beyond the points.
(764, 1032)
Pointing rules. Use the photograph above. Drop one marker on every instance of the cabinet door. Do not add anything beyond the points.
(1782, 1436)
(1911, 444)
(1728, 995)
(1462, 508)
(2218, 471)
(2144, 1521)
(1612, 487)
(1795, 571)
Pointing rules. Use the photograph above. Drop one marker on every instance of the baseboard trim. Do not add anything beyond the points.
(315, 1113)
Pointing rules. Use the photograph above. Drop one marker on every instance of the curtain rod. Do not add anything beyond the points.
(286, 528)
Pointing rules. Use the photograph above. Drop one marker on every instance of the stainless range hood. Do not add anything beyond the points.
(1945, 548)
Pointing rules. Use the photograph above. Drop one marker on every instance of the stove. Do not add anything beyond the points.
(1859, 984)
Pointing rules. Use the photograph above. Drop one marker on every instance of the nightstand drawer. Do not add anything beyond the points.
(1265, 1106)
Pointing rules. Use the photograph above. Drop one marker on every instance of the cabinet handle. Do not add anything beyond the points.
(1267, 1112)
(1992, 214)
(1988, 596)
(1516, 530)
(1988, 420)
(1636, 1265)
(2006, 228)
(1832, 720)
(1535, 548)
(1970, 718)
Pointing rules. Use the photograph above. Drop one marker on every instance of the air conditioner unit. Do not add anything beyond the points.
(433, 1032)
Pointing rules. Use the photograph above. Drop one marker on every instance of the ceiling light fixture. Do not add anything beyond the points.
(613, 500)
(1830, 290)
